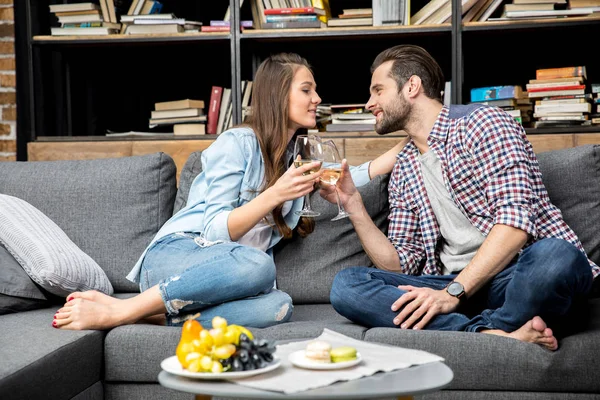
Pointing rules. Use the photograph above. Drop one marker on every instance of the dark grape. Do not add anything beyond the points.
(249, 366)
(258, 360)
(243, 355)
(261, 343)
(236, 365)
(268, 357)
(244, 338)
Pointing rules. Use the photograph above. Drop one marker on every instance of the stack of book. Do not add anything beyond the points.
(528, 9)
(350, 118)
(186, 116)
(82, 19)
(353, 17)
(595, 117)
(156, 23)
(284, 14)
(510, 98)
(561, 97)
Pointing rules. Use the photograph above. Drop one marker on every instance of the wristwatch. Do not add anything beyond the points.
(456, 289)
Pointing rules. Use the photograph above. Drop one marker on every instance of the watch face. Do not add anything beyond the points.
(455, 289)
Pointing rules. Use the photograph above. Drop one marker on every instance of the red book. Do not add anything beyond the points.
(547, 89)
(295, 10)
(213, 110)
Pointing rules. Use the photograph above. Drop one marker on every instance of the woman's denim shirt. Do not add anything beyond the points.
(232, 175)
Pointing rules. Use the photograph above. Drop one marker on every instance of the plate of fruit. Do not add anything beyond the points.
(221, 353)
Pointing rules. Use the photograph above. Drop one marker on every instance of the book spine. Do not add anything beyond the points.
(292, 24)
(297, 10)
(213, 110)
(214, 29)
(551, 73)
(289, 18)
(547, 89)
(243, 23)
(495, 93)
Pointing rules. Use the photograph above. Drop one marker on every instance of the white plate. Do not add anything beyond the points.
(298, 359)
(173, 366)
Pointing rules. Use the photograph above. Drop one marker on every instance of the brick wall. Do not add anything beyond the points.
(8, 95)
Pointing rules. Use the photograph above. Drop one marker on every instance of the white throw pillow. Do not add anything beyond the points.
(45, 251)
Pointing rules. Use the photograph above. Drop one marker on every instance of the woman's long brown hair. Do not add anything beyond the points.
(269, 120)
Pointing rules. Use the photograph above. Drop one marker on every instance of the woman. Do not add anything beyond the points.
(215, 255)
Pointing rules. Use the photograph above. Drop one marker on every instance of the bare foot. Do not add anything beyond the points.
(93, 295)
(82, 313)
(96, 310)
(534, 331)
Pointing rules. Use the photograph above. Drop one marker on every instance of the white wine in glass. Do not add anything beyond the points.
(307, 149)
(332, 171)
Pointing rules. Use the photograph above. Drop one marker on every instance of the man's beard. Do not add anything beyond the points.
(394, 119)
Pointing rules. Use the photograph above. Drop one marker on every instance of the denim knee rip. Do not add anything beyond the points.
(172, 306)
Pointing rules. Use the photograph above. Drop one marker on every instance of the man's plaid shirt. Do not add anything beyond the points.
(491, 173)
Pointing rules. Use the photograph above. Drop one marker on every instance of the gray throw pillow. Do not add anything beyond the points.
(191, 168)
(572, 178)
(45, 251)
(306, 266)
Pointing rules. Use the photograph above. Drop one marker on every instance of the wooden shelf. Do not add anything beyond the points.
(116, 39)
(343, 32)
(523, 24)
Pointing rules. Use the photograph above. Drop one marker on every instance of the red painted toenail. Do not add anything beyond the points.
(54, 316)
(70, 298)
(54, 324)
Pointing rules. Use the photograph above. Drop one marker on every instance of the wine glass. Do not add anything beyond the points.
(332, 170)
(308, 149)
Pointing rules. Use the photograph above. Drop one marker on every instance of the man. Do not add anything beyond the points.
(473, 242)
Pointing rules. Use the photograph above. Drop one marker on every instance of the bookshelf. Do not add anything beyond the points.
(81, 86)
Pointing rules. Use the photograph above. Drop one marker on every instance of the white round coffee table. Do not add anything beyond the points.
(402, 383)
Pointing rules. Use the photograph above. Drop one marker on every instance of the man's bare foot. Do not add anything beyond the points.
(534, 331)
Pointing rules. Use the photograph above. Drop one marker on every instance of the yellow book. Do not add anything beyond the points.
(324, 4)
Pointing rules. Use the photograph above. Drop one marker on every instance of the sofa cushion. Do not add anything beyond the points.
(41, 362)
(496, 363)
(110, 208)
(17, 291)
(14, 281)
(572, 178)
(191, 168)
(306, 266)
(45, 252)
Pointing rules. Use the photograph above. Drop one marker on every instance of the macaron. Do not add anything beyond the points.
(318, 351)
(342, 354)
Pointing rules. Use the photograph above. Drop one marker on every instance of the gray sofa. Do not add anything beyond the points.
(111, 208)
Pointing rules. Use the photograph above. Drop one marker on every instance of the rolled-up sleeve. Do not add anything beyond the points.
(360, 174)
(224, 164)
(503, 156)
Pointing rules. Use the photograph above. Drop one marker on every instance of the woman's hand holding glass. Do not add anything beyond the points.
(297, 181)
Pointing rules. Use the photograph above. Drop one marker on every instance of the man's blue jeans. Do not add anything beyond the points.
(216, 279)
(544, 281)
